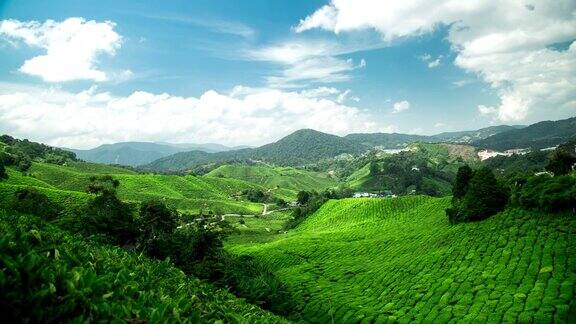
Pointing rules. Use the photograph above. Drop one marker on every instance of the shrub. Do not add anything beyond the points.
(31, 201)
(547, 193)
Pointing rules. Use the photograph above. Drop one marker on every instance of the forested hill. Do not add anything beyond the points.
(537, 136)
(299, 148)
(474, 135)
(139, 153)
(395, 140)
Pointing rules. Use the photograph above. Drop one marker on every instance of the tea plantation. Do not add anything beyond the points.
(49, 275)
(388, 260)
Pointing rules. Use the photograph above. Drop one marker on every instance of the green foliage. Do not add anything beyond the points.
(547, 193)
(156, 219)
(256, 195)
(31, 201)
(107, 214)
(518, 163)
(563, 159)
(479, 196)
(399, 260)
(51, 276)
(3, 173)
(22, 152)
(463, 178)
(303, 197)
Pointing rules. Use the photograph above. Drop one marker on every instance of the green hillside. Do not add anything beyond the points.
(426, 168)
(51, 275)
(187, 193)
(378, 260)
(283, 181)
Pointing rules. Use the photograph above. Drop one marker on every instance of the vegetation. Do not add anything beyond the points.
(49, 275)
(537, 136)
(477, 195)
(399, 260)
(299, 148)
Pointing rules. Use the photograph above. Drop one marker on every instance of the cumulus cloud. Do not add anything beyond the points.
(400, 106)
(510, 44)
(243, 116)
(72, 47)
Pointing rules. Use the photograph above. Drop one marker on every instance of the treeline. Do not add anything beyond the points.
(21, 153)
(310, 201)
(478, 194)
(195, 245)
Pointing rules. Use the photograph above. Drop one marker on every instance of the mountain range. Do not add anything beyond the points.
(139, 153)
(308, 146)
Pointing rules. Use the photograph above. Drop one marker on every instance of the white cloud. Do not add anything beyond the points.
(72, 47)
(215, 25)
(306, 62)
(431, 61)
(438, 125)
(506, 43)
(244, 116)
(400, 106)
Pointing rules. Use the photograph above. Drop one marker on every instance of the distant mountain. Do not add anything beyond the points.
(386, 140)
(395, 140)
(138, 153)
(537, 136)
(474, 135)
(301, 147)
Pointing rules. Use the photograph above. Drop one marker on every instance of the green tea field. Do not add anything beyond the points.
(283, 181)
(389, 260)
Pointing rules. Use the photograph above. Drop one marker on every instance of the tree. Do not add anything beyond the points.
(156, 219)
(303, 197)
(463, 177)
(483, 197)
(561, 162)
(107, 214)
(3, 174)
(374, 169)
(31, 201)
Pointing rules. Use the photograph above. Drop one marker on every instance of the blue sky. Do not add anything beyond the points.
(242, 67)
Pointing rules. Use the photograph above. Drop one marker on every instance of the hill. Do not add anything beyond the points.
(398, 260)
(385, 140)
(284, 181)
(536, 136)
(425, 168)
(187, 193)
(299, 148)
(474, 135)
(138, 153)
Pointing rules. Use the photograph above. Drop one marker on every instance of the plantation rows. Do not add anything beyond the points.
(49, 275)
(187, 193)
(379, 260)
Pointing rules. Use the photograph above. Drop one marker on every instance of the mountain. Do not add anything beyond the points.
(389, 141)
(473, 135)
(138, 153)
(395, 140)
(299, 148)
(536, 136)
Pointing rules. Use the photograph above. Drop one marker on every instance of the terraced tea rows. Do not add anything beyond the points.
(284, 181)
(379, 260)
(187, 193)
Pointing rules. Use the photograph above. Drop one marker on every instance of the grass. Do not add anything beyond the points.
(378, 260)
(284, 182)
(51, 275)
(257, 230)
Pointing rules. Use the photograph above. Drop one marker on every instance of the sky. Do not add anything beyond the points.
(82, 73)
